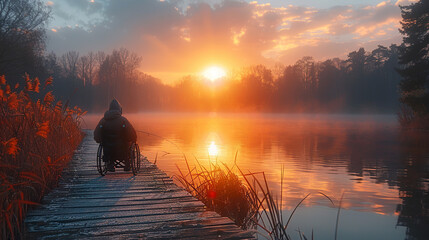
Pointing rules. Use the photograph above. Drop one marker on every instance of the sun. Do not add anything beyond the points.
(213, 73)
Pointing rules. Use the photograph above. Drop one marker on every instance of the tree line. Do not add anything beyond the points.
(364, 82)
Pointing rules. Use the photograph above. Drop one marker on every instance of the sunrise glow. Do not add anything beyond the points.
(227, 114)
(213, 73)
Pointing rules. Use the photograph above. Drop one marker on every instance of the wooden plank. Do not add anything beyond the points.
(113, 221)
(98, 204)
(106, 216)
(140, 207)
(122, 206)
(165, 229)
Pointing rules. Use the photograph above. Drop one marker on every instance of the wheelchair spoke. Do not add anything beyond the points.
(135, 158)
(101, 164)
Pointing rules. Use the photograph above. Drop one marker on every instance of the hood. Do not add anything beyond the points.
(115, 110)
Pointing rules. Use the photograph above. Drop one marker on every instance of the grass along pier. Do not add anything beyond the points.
(121, 206)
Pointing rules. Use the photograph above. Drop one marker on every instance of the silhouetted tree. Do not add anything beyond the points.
(414, 56)
(290, 88)
(357, 87)
(22, 37)
(330, 91)
(257, 87)
(51, 65)
(381, 75)
(69, 63)
(117, 74)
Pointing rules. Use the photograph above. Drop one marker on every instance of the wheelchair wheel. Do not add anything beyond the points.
(139, 162)
(101, 165)
(135, 158)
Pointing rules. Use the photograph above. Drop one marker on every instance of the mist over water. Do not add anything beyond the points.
(382, 170)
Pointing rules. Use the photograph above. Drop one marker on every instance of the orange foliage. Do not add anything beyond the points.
(36, 85)
(11, 146)
(29, 86)
(43, 130)
(26, 167)
(48, 81)
(28, 106)
(49, 98)
(12, 102)
(58, 107)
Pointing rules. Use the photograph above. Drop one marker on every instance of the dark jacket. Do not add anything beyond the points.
(114, 129)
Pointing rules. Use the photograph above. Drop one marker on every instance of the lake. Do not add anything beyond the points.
(381, 170)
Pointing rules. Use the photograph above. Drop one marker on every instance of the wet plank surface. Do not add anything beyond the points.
(122, 206)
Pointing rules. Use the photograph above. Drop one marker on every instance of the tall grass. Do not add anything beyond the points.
(221, 190)
(246, 198)
(37, 139)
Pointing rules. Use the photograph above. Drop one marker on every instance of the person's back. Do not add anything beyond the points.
(115, 133)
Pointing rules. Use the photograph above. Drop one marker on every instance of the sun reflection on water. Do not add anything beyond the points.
(213, 149)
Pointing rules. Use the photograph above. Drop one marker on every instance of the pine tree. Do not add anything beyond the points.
(414, 57)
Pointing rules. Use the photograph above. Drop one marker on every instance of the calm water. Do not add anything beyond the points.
(383, 171)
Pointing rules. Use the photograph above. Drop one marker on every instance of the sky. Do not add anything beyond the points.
(179, 37)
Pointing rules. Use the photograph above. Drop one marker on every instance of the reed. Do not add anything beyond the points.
(221, 190)
(37, 138)
(246, 198)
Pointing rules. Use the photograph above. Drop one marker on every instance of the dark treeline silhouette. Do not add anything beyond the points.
(414, 56)
(364, 82)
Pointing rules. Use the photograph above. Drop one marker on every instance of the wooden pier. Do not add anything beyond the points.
(122, 206)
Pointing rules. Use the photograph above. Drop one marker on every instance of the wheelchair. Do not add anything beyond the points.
(134, 157)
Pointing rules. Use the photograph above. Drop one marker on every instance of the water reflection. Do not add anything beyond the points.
(213, 150)
(383, 171)
(413, 182)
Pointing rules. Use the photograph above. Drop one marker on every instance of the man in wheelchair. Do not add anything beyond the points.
(116, 134)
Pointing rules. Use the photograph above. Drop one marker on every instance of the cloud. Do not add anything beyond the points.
(88, 6)
(338, 29)
(404, 2)
(58, 11)
(173, 38)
